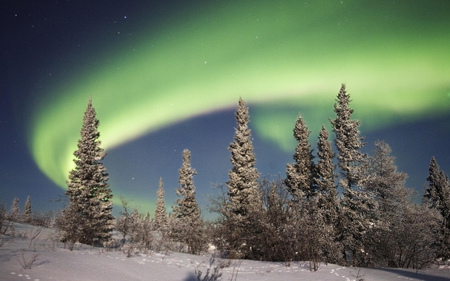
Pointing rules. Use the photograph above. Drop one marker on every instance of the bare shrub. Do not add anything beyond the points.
(41, 219)
(112, 244)
(123, 222)
(128, 249)
(54, 238)
(27, 262)
(34, 234)
(214, 270)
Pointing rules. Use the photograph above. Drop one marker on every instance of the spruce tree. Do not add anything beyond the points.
(437, 196)
(189, 225)
(27, 211)
(160, 212)
(89, 217)
(243, 193)
(347, 140)
(243, 210)
(356, 204)
(299, 175)
(327, 198)
(324, 181)
(14, 214)
(437, 193)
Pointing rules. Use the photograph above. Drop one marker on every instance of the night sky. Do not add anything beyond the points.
(167, 75)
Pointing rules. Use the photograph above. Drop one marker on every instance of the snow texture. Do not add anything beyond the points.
(95, 264)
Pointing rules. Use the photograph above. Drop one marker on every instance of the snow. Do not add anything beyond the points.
(88, 263)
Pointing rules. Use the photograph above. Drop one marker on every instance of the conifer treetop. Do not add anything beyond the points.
(325, 166)
(299, 174)
(328, 200)
(27, 211)
(160, 212)
(186, 205)
(437, 193)
(347, 139)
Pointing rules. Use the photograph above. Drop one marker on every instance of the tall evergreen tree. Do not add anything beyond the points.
(356, 204)
(243, 192)
(328, 201)
(437, 193)
(14, 214)
(437, 196)
(189, 225)
(243, 208)
(160, 212)
(300, 175)
(347, 140)
(89, 214)
(27, 213)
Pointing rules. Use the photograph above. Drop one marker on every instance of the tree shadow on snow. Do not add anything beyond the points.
(428, 275)
(190, 277)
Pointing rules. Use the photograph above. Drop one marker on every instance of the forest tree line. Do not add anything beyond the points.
(343, 207)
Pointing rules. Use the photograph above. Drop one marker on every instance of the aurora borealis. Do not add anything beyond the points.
(193, 60)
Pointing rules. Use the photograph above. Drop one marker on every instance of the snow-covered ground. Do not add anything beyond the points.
(53, 262)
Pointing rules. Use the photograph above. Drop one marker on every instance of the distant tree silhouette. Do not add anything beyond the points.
(14, 214)
(160, 212)
(27, 213)
(88, 218)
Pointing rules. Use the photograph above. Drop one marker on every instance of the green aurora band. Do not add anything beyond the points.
(279, 56)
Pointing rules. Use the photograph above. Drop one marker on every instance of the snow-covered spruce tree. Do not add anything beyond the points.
(324, 181)
(88, 218)
(357, 205)
(301, 185)
(243, 191)
(243, 209)
(3, 217)
(299, 175)
(160, 212)
(136, 226)
(27, 213)
(14, 214)
(437, 196)
(188, 227)
(327, 197)
(437, 192)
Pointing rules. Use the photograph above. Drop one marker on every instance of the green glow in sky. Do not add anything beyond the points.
(277, 55)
